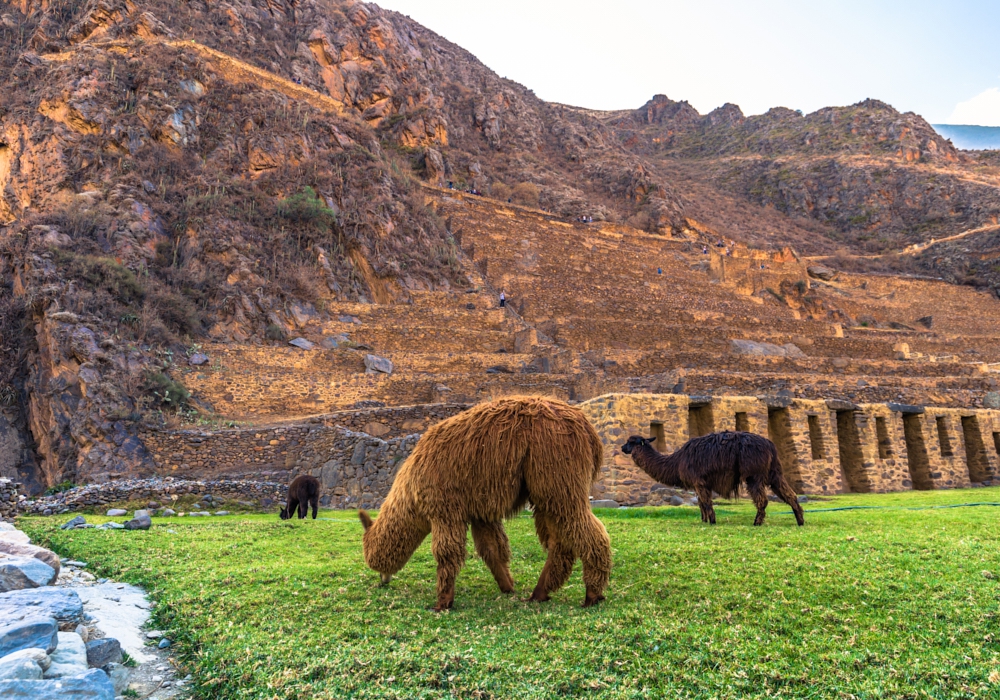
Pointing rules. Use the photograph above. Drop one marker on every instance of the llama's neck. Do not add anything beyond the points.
(394, 536)
(663, 468)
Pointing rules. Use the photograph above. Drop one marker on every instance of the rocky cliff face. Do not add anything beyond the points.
(178, 171)
(876, 179)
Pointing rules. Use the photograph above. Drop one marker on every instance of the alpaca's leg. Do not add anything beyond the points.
(705, 503)
(293, 506)
(494, 547)
(758, 494)
(314, 502)
(448, 547)
(594, 546)
(785, 492)
(303, 509)
(558, 565)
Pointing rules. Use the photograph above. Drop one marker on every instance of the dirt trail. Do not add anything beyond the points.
(237, 70)
(234, 70)
(917, 248)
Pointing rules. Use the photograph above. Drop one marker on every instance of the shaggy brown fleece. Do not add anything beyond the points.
(481, 466)
(718, 462)
(302, 493)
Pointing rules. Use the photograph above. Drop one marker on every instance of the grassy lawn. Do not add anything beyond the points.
(872, 603)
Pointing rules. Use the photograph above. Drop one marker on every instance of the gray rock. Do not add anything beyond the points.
(604, 503)
(154, 634)
(199, 512)
(821, 273)
(164, 643)
(24, 572)
(74, 562)
(802, 499)
(374, 363)
(143, 513)
(7, 527)
(167, 512)
(754, 349)
(70, 524)
(302, 344)
(20, 669)
(992, 400)
(676, 500)
(35, 655)
(101, 652)
(35, 632)
(111, 525)
(198, 359)
(222, 512)
(142, 523)
(91, 685)
(15, 536)
(119, 677)
(63, 604)
(116, 512)
(69, 658)
(30, 550)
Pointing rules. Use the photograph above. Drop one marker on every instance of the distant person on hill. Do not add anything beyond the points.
(503, 299)
(704, 250)
(659, 270)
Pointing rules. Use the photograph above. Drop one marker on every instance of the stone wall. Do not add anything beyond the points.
(8, 499)
(825, 446)
(164, 491)
(275, 451)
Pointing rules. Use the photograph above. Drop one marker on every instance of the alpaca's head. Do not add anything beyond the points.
(390, 540)
(283, 513)
(637, 441)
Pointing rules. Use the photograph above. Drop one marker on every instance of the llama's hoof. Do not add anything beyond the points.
(591, 601)
(543, 598)
(440, 608)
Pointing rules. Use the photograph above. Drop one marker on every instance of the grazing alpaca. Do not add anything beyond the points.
(718, 462)
(302, 493)
(481, 466)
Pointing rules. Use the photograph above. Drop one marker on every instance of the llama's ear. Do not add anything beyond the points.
(651, 440)
(366, 520)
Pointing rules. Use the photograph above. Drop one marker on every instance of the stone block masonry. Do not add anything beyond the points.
(825, 447)
(8, 499)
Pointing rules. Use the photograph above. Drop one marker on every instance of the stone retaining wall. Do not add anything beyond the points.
(260, 493)
(296, 447)
(824, 446)
(8, 499)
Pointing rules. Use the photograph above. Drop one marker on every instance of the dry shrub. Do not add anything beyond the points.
(525, 194)
(499, 190)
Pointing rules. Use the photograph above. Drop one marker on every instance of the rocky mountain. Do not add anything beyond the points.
(176, 172)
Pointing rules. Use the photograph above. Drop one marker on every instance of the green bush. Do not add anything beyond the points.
(274, 332)
(59, 488)
(169, 392)
(307, 209)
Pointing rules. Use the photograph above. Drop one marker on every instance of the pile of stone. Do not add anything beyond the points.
(48, 646)
(9, 498)
(245, 491)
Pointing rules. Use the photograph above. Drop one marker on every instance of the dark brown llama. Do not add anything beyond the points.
(719, 462)
(302, 493)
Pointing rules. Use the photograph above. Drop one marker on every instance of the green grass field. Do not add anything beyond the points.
(874, 603)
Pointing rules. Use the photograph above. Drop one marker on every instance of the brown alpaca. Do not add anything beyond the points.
(480, 467)
(302, 493)
(718, 462)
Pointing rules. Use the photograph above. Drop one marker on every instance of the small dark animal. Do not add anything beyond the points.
(302, 493)
(718, 462)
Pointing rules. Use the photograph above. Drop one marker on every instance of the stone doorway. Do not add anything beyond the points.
(851, 457)
(916, 452)
(975, 450)
(656, 431)
(700, 420)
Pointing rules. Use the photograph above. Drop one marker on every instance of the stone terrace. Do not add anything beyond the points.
(601, 310)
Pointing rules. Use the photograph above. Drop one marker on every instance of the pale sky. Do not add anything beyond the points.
(939, 59)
